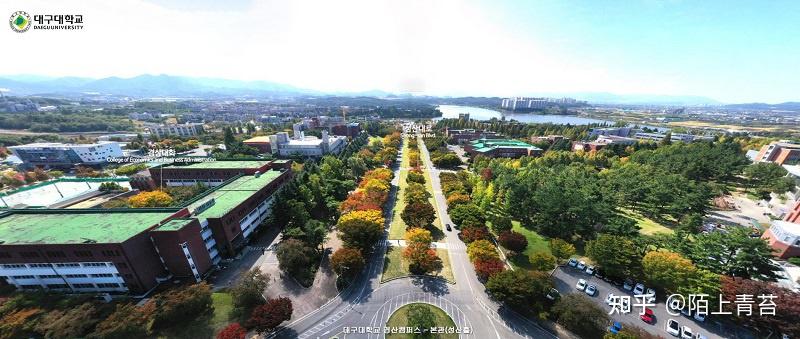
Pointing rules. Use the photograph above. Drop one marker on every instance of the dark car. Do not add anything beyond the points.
(599, 273)
(448, 227)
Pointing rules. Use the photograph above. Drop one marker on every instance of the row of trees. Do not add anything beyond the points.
(360, 225)
(440, 155)
(521, 130)
(16, 179)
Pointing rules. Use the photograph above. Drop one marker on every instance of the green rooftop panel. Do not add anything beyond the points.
(229, 196)
(174, 225)
(223, 164)
(57, 227)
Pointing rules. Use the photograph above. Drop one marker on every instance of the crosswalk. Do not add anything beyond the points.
(382, 315)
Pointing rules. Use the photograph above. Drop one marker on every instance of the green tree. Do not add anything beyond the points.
(74, 322)
(734, 253)
(467, 215)
(519, 289)
(501, 224)
(248, 290)
(581, 315)
(182, 305)
(542, 261)
(766, 177)
(296, 258)
(418, 214)
(420, 316)
(617, 255)
(561, 249)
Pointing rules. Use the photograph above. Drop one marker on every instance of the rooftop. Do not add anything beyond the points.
(229, 196)
(76, 226)
(258, 139)
(58, 144)
(788, 227)
(174, 225)
(483, 145)
(223, 164)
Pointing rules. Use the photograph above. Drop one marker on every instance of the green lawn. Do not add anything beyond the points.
(536, 243)
(400, 319)
(648, 226)
(397, 229)
(395, 266)
(204, 326)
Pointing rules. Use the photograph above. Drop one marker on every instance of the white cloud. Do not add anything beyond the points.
(443, 47)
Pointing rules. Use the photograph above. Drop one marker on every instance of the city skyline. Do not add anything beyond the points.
(730, 53)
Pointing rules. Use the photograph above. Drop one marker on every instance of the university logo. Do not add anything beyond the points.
(20, 21)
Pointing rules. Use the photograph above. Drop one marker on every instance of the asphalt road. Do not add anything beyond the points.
(566, 277)
(368, 303)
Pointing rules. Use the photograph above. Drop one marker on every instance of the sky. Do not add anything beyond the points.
(731, 51)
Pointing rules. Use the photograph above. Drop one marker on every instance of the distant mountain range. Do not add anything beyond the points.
(146, 86)
(180, 86)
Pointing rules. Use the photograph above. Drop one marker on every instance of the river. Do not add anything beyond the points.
(477, 113)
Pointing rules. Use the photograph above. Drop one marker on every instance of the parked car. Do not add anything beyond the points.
(638, 289)
(672, 327)
(648, 316)
(610, 297)
(448, 227)
(581, 265)
(686, 312)
(686, 332)
(628, 284)
(581, 285)
(700, 336)
(651, 295)
(591, 290)
(600, 274)
(615, 327)
(553, 294)
(590, 270)
(699, 316)
(572, 262)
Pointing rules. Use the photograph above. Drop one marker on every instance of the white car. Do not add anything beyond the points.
(627, 285)
(651, 295)
(686, 332)
(672, 327)
(581, 265)
(699, 316)
(591, 290)
(700, 336)
(581, 285)
(638, 289)
(572, 262)
(610, 297)
(590, 270)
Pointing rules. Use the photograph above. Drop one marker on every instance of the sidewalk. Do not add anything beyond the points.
(402, 243)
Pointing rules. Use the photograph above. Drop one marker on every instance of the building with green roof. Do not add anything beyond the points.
(133, 250)
(501, 148)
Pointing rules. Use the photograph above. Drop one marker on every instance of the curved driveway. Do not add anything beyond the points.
(367, 303)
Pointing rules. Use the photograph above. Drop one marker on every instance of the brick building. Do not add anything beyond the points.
(211, 173)
(133, 250)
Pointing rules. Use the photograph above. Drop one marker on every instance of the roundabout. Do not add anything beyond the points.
(424, 319)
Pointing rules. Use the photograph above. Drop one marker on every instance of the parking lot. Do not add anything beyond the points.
(566, 277)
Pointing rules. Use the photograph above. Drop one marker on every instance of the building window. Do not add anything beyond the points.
(107, 285)
(56, 254)
(57, 286)
(83, 285)
(49, 276)
(68, 265)
(94, 264)
(29, 254)
(102, 275)
(83, 254)
(23, 277)
(13, 266)
(76, 276)
(41, 265)
(30, 287)
(110, 253)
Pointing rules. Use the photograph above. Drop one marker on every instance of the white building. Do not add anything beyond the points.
(306, 146)
(181, 130)
(52, 154)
